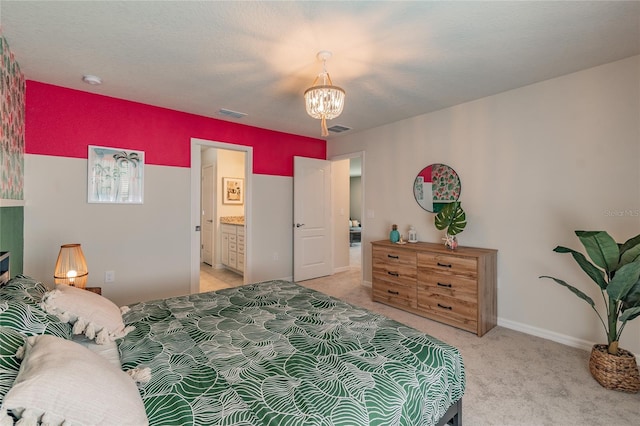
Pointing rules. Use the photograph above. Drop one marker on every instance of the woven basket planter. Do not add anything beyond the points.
(617, 372)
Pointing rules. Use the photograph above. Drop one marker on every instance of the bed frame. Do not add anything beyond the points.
(453, 416)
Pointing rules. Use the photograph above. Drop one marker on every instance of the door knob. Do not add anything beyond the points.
(298, 225)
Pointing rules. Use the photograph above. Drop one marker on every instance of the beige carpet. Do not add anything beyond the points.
(512, 378)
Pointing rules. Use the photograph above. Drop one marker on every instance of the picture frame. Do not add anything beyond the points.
(232, 190)
(115, 175)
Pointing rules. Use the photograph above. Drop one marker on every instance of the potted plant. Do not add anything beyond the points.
(615, 268)
(453, 219)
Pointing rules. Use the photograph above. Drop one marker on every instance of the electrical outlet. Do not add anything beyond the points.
(109, 276)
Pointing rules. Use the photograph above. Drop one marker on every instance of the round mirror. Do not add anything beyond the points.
(436, 186)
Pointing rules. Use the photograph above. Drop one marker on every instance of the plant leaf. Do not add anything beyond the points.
(574, 290)
(629, 254)
(597, 275)
(443, 217)
(630, 314)
(601, 248)
(631, 242)
(452, 217)
(633, 297)
(623, 281)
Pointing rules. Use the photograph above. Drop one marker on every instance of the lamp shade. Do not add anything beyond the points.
(71, 266)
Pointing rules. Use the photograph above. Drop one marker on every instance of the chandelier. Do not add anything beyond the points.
(323, 100)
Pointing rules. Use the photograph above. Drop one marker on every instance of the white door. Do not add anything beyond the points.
(207, 191)
(311, 218)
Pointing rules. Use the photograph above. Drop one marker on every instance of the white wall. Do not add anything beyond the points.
(147, 245)
(536, 163)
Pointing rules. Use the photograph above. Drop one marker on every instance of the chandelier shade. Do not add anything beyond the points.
(324, 101)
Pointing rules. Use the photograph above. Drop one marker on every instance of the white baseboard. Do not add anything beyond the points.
(549, 335)
(341, 269)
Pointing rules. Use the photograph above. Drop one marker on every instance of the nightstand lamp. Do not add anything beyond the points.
(71, 266)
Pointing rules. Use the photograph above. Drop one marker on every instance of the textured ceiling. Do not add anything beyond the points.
(394, 59)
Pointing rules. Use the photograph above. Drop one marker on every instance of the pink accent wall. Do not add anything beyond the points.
(64, 122)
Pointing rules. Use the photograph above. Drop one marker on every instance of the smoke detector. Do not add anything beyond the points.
(91, 79)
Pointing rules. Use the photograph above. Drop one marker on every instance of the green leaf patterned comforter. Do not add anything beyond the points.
(276, 353)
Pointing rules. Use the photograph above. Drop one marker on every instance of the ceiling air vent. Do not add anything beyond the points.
(231, 114)
(338, 128)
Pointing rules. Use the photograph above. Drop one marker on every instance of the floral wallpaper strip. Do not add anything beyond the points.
(12, 101)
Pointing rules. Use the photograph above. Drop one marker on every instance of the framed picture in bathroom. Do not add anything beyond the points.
(232, 190)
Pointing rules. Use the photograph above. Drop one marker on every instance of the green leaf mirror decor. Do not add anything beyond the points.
(615, 269)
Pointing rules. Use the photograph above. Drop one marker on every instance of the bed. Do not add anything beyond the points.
(271, 353)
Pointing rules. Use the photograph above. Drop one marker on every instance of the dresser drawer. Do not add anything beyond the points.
(464, 313)
(392, 256)
(447, 264)
(447, 284)
(388, 292)
(395, 266)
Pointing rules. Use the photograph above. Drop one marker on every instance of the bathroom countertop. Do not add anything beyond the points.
(232, 220)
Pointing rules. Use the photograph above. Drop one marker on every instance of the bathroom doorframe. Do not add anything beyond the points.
(349, 156)
(196, 165)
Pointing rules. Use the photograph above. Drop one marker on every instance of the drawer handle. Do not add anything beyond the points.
(393, 257)
(393, 292)
(444, 265)
(444, 307)
(444, 285)
(395, 274)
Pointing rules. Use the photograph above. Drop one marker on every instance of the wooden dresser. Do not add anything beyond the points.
(456, 287)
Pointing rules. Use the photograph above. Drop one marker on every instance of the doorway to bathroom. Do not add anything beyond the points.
(220, 188)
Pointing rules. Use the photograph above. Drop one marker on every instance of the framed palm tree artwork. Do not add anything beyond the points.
(115, 175)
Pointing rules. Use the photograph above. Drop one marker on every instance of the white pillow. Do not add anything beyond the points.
(108, 351)
(91, 314)
(61, 381)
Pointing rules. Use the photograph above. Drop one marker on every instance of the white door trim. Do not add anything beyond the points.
(196, 165)
(363, 218)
